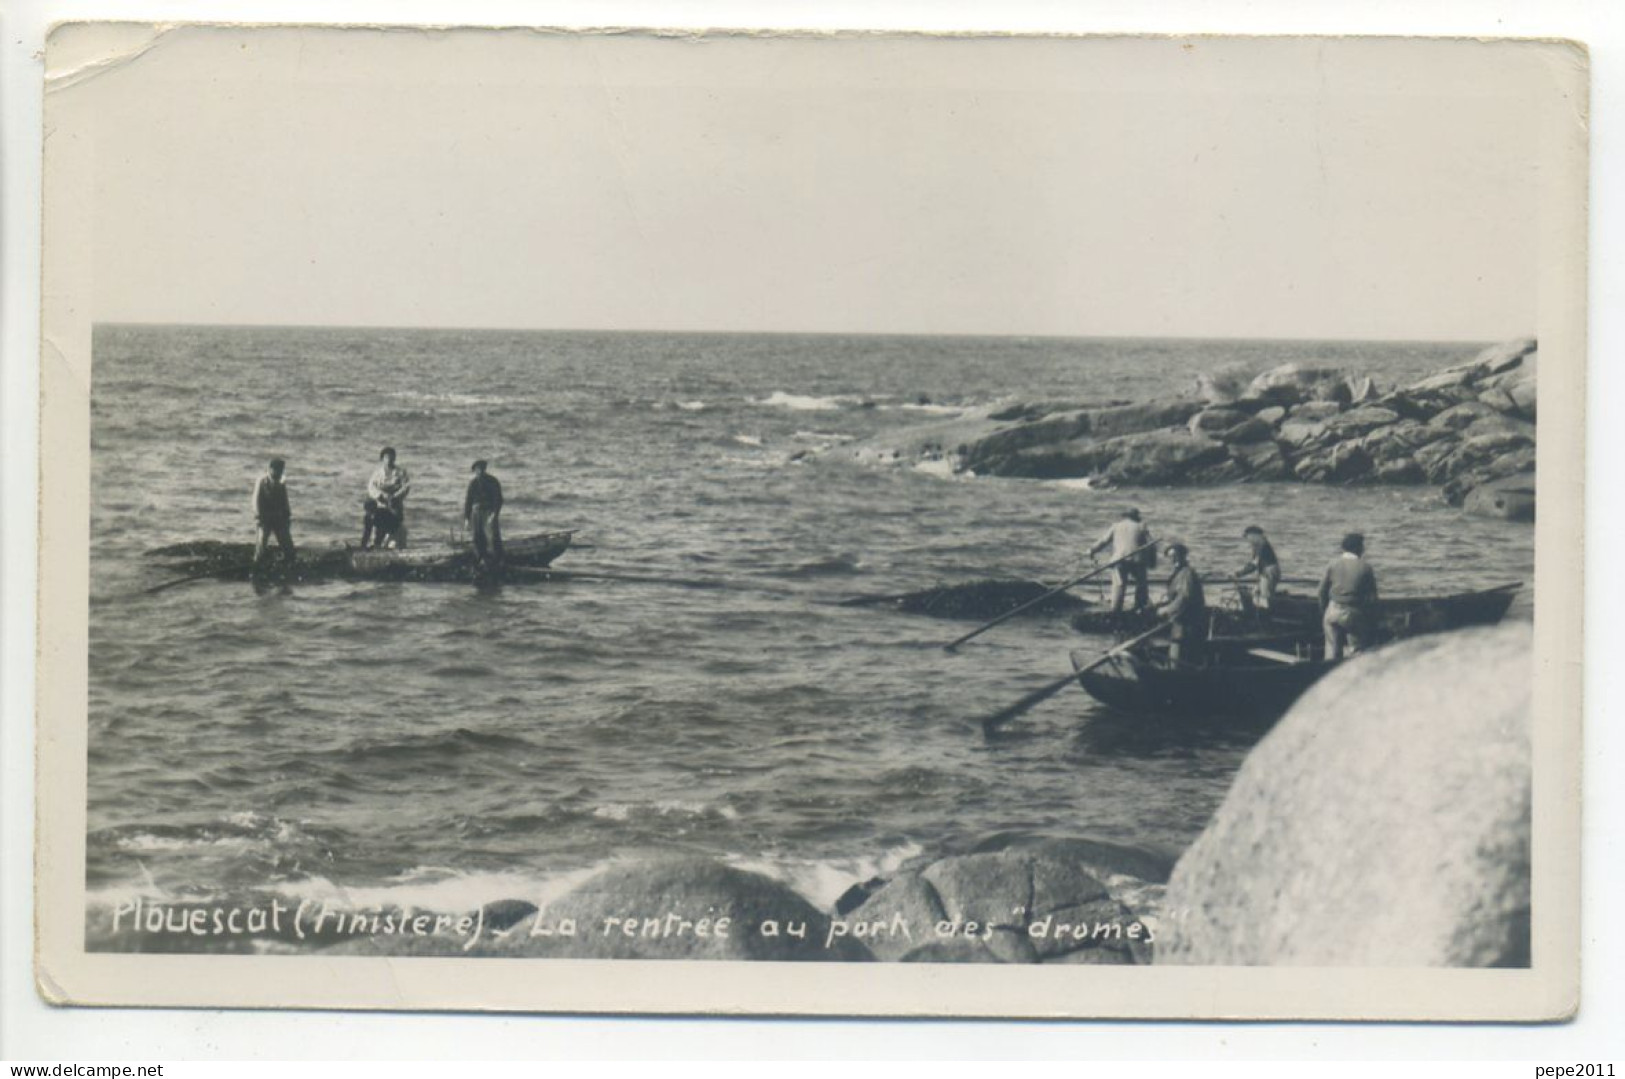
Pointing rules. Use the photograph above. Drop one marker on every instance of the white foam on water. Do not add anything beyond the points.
(942, 468)
(747, 440)
(798, 402)
(826, 437)
(142, 843)
(620, 811)
(692, 406)
(461, 399)
(440, 889)
(1079, 483)
(935, 410)
(823, 882)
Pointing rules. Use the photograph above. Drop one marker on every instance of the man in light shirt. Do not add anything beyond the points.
(1127, 536)
(1348, 598)
(386, 503)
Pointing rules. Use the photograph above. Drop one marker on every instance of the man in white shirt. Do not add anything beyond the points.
(1127, 536)
(386, 503)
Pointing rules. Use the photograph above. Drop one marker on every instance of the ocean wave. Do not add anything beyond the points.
(799, 402)
(460, 399)
(828, 437)
(823, 881)
(439, 888)
(942, 468)
(236, 834)
(665, 809)
(845, 562)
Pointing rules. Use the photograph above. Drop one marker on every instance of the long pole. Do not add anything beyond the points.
(1044, 692)
(1007, 615)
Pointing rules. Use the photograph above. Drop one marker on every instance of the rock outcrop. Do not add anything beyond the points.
(1384, 822)
(1040, 901)
(674, 908)
(1460, 428)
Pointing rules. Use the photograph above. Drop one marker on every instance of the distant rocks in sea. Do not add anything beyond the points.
(1461, 429)
(1384, 822)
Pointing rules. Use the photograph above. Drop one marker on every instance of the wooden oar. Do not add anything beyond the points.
(568, 575)
(180, 581)
(1007, 615)
(1045, 692)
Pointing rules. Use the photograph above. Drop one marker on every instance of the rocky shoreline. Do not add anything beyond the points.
(1468, 429)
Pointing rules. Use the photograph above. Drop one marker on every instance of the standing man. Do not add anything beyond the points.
(1265, 564)
(1186, 607)
(1348, 598)
(1128, 536)
(482, 509)
(386, 503)
(272, 514)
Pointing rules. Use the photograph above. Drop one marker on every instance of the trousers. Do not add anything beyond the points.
(487, 528)
(1344, 626)
(1264, 592)
(1122, 574)
(284, 540)
(385, 521)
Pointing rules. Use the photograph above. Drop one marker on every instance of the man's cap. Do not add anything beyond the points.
(477, 465)
(1251, 530)
(1354, 542)
(387, 451)
(1176, 548)
(1132, 513)
(277, 462)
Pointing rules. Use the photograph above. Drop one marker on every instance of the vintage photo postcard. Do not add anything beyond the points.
(869, 524)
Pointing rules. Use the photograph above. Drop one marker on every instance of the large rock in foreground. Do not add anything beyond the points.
(1384, 822)
(1042, 901)
(674, 908)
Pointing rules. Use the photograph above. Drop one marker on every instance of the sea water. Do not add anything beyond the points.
(442, 745)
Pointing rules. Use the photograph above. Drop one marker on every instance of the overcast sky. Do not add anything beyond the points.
(1128, 187)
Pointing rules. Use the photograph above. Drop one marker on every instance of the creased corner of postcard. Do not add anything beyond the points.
(76, 52)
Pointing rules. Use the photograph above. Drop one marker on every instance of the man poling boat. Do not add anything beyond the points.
(482, 510)
(1133, 558)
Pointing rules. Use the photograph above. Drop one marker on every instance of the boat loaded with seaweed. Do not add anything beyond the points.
(448, 561)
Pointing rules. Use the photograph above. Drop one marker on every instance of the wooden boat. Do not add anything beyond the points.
(433, 559)
(1240, 679)
(426, 562)
(1294, 615)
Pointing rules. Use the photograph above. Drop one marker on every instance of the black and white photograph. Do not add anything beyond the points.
(666, 507)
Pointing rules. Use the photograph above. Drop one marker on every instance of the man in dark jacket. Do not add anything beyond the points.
(272, 514)
(482, 509)
(1186, 607)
